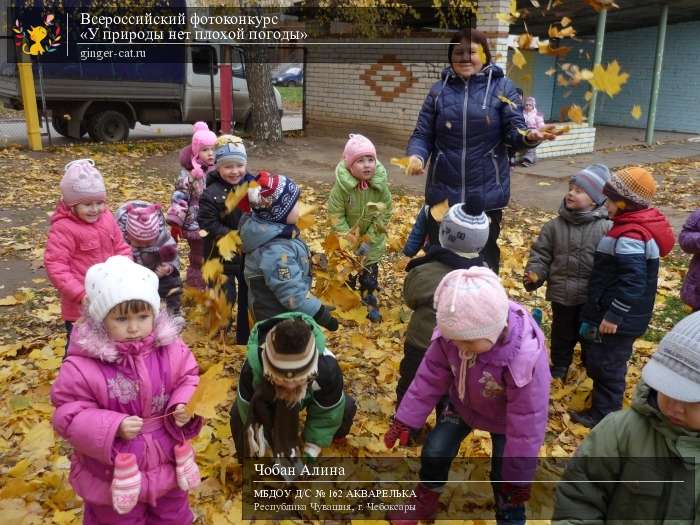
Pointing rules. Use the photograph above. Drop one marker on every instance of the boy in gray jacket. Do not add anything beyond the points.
(277, 265)
(562, 256)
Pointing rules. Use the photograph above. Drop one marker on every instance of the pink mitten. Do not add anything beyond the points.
(177, 213)
(126, 483)
(186, 467)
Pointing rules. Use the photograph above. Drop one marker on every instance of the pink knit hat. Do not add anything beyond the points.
(471, 304)
(357, 146)
(143, 223)
(201, 138)
(82, 182)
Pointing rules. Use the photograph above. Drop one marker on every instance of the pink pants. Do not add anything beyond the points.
(172, 509)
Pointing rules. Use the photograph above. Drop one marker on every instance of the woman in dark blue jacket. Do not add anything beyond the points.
(464, 126)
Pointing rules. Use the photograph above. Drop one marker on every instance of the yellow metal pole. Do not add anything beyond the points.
(31, 115)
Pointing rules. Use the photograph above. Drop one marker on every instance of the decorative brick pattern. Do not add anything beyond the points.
(388, 78)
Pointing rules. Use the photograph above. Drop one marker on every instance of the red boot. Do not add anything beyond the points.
(425, 505)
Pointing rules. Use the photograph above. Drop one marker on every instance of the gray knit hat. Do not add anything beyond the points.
(592, 179)
(674, 370)
(230, 152)
(463, 233)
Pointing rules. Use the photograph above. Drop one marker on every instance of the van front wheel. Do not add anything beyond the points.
(108, 126)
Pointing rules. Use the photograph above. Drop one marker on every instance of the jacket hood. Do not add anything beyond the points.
(255, 232)
(89, 338)
(654, 222)
(582, 217)
(263, 327)
(186, 157)
(347, 182)
(684, 443)
(489, 69)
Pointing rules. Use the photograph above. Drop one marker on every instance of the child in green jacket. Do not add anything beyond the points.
(360, 197)
(656, 441)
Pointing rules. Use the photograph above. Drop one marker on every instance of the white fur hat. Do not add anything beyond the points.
(116, 280)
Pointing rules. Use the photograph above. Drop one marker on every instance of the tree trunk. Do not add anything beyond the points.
(266, 122)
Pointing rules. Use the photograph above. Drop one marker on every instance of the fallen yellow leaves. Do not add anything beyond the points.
(229, 245)
(518, 59)
(575, 113)
(636, 112)
(608, 79)
(211, 392)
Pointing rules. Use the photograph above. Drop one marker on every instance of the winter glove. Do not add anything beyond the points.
(176, 232)
(186, 469)
(399, 431)
(311, 452)
(177, 212)
(531, 281)
(126, 483)
(191, 235)
(325, 319)
(512, 494)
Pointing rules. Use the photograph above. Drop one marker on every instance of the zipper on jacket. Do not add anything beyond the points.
(464, 140)
(495, 166)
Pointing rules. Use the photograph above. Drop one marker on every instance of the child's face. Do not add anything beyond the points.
(128, 326)
(474, 346)
(612, 207)
(206, 155)
(363, 168)
(293, 216)
(529, 106)
(89, 211)
(232, 172)
(680, 413)
(578, 200)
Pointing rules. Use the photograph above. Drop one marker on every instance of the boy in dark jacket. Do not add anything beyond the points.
(277, 262)
(214, 217)
(463, 234)
(562, 257)
(288, 369)
(622, 288)
(655, 441)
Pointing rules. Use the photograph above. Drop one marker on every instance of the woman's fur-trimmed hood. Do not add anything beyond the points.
(89, 338)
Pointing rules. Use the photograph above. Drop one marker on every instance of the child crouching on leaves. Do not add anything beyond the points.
(196, 161)
(120, 401)
(144, 229)
(83, 232)
(277, 262)
(488, 355)
(562, 256)
(361, 180)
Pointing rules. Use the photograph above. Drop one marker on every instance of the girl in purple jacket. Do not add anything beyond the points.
(689, 239)
(120, 401)
(488, 356)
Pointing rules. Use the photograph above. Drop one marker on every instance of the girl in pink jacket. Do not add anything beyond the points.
(120, 401)
(83, 232)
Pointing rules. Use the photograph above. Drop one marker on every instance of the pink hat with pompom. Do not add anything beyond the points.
(471, 304)
(143, 223)
(201, 138)
(82, 182)
(357, 146)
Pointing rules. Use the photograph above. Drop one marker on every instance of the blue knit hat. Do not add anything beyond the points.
(591, 179)
(230, 152)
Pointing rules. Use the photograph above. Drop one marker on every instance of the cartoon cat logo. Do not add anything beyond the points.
(38, 39)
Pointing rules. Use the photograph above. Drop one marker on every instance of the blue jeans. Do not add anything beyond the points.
(441, 447)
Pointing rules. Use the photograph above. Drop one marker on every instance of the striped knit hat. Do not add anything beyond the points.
(289, 367)
(634, 187)
(143, 223)
(674, 370)
(231, 148)
(592, 179)
(274, 197)
(464, 230)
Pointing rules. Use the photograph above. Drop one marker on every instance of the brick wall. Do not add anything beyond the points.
(580, 139)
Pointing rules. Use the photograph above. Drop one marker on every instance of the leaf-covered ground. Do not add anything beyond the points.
(33, 461)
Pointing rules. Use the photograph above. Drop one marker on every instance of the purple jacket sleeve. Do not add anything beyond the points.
(90, 429)
(185, 380)
(689, 238)
(526, 422)
(432, 381)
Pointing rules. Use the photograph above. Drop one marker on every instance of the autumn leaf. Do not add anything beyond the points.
(575, 113)
(234, 197)
(518, 59)
(38, 441)
(228, 245)
(636, 112)
(545, 48)
(567, 32)
(565, 21)
(306, 216)
(210, 393)
(10, 300)
(482, 54)
(599, 5)
(587, 96)
(212, 269)
(508, 101)
(438, 211)
(608, 79)
(525, 41)
(550, 71)
(561, 131)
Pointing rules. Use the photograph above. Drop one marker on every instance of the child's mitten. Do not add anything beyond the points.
(398, 431)
(177, 213)
(126, 483)
(186, 468)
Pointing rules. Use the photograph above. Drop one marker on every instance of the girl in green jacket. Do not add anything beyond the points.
(360, 198)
